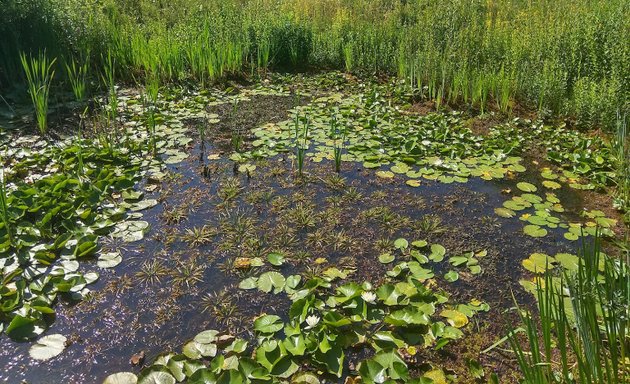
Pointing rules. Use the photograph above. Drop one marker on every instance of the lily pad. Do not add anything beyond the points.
(48, 347)
(526, 187)
(535, 231)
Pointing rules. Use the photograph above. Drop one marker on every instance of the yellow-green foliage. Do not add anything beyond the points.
(567, 56)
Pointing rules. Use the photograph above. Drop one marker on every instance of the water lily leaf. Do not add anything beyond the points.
(109, 260)
(272, 280)
(121, 378)
(504, 212)
(571, 236)
(537, 262)
(534, 231)
(268, 324)
(451, 276)
(386, 258)
(385, 174)
(568, 261)
(420, 243)
(249, 283)
(48, 347)
(401, 244)
(437, 253)
(551, 184)
(275, 258)
(157, 376)
(454, 317)
(526, 187)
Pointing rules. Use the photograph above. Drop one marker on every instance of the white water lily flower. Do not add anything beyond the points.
(368, 297)
(312, 321)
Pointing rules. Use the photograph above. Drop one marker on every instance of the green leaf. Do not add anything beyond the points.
(268, 324)
(451, 276)
(401, 244)
(386, 258)
(526, 187)
(272, 280)
(437, 253)
(534, 231)
(275, 258)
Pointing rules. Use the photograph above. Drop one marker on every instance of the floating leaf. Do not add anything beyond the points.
(109, 260)
(121, 378)
(451, 276)
(48, 347)
(526, 187)
(551, 184)
(386, 258)
(504, 212)
(401, 244)
(535, 231)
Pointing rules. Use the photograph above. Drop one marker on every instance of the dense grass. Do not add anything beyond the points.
(583, 319)
(565, 56)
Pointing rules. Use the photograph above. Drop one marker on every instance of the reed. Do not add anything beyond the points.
(579, 334)
(39, 72)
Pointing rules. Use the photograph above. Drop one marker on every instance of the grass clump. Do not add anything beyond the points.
(580, 332)
(39, 72)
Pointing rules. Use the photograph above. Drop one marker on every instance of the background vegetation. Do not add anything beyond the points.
(565, 56)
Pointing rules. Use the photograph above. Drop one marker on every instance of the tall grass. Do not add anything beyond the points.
(620, 148)
(78, 77)
(39, 72)
(565, 56)
(580, 333)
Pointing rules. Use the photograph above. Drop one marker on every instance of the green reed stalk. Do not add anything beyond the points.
(584, 317)
(77, 74)
(4, 209)
(39, 75)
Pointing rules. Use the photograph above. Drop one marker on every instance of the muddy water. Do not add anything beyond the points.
(129, 313)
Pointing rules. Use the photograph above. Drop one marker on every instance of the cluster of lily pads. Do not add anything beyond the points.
(542, 216)
(328, 323)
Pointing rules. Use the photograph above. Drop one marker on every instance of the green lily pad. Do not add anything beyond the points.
(386, 258)
(526, 187)
(535, 231)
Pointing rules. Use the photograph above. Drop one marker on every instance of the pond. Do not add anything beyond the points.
(258, 189)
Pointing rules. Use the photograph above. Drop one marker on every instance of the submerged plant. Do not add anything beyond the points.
(39, 75)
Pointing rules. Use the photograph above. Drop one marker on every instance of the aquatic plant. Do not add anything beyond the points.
(77, 74)
(39, 72)
(584, 319)
(151, 93)
(301, 141)
(151, 272)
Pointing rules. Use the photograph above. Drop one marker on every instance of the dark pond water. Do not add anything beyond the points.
(131, 311)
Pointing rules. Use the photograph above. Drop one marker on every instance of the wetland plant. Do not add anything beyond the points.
(109, 80)
(339, 137)
(77, 74)
(301, 141)
(584, 319)
(621, 158)
(4, 207)
(237, 135)
(151, 88)
(39, 75)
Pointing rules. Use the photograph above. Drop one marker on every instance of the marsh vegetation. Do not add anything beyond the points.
(314, 192)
